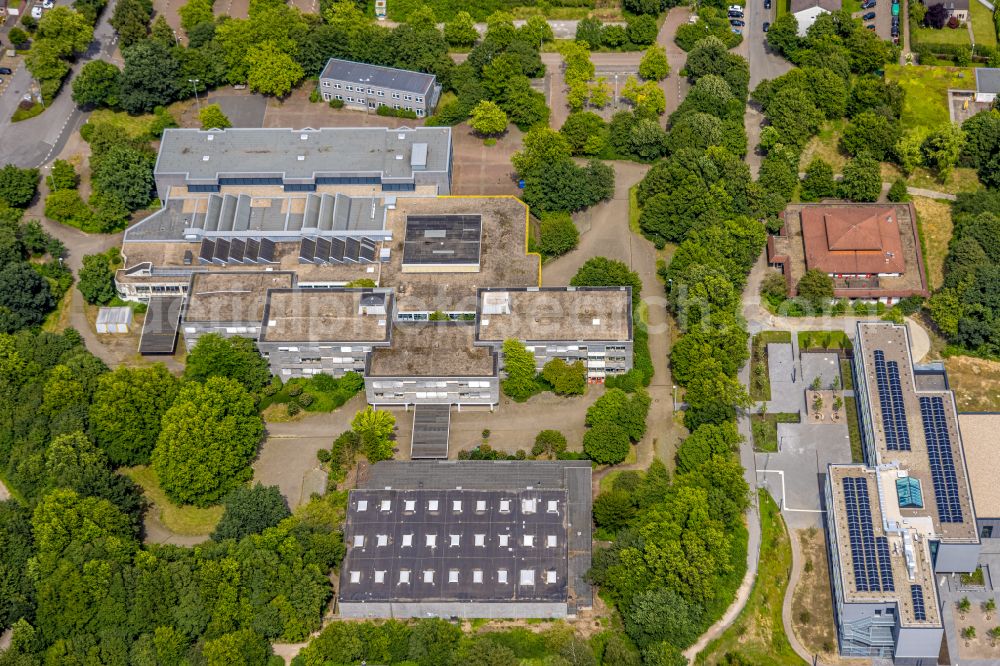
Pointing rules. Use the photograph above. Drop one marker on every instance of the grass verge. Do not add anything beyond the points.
(633, 210)
(24, 114)
(757, 636)
(135, 126)
(823, 340)
(765, 429)
(760, 381)
(180, 519)
(846, 374)
(854, 429)
(934, 218)
(982, 24)
(926, 89)
(812, 602)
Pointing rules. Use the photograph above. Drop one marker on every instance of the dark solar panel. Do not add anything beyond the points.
(207, 251)
(942, 460)
(890, 397)
(307, 250)
(236, 249)
(221, 251)
(869, 555)
(367, 253)
(323, 249)
(337, 250)
(352, 249)
(266, 251)
(253, 249)
(442, 239)
(919, 611)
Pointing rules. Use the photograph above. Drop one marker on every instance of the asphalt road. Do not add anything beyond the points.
(33, 142)
(763, 63)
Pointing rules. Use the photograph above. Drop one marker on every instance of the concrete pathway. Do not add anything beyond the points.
(675, 86)
(931, 194)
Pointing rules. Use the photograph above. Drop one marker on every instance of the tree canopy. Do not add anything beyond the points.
(235, 358)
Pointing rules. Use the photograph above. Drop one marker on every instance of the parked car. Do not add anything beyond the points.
(870, 26)
(736, 23)
(868, 4)
(48, 4)
(737, 31)
(870, 16)
(735, 14)
(766, 26)
(6, 70)
(767, 4)
(36, 12)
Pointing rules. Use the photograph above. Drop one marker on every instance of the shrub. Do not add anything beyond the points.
(305, 400)
(295, 390)
(559, 234)
(549, 442)
(323, 455)
(293, 408)
(336, 103)
(897, 192)
(390, 112)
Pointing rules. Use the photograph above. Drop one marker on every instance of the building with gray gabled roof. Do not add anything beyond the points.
(362, 86)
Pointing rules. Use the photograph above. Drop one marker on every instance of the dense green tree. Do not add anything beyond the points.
(549, 443)
(63, 176)
(558, 234)
(628, 412)
(588, 30)
(898, 192)
(211, 117)
(669, 217)
(870, 133)
(519, 367)
(706, 441)
(16, 548)
(194, 13)
(723, 341)
(662, 614)
(870, 92)
(46, 63)
(271, 71)
(250, 510)
(585, 131)
(25, 297)
(98, 84)
(654, 65)
(18, 38)
(461, 30)
(642, 30)
(613, 510)
(783, 35)
(779, 173)
(208, 438)
(564, 186)
(374, 428)
(97, 280)
(862, 180)
(524, 106)
(127, 409)
(488, 119)
(695, 131)
(542, 148)
(982, 138)
(235, 358)
(17, 186)
(604, 272)
(68, 30)
(131, 20)
(565, 378)
(150, 77)
(794, 115)
(942, 148)
(818, 182)
(606, 443)
(816, 287)
(244, 647)
(124, 174)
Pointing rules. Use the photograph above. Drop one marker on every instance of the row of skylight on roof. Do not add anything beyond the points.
(525, 576)
(528, 505)
(455, 540)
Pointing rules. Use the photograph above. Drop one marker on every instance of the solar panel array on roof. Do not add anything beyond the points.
(919, 610)
(337, 250)
(942, 460)
(890, 397)
(869, 556)
(224, 251)
(442, 239)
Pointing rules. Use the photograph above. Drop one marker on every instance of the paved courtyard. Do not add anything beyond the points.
(824, 366)
(978, 651)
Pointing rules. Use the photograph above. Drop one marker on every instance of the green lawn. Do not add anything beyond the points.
(765, 429)
(633, 210)
(982, 24)
(931, 36)
(781, 7)
(135, 126)
(927, 91)
(823, 340)
(760, 383)
(181, 519)
(758, 636)
(851, 6)
(854, 429)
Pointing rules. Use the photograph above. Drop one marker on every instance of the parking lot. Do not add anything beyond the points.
(882, 20)
(11, 63)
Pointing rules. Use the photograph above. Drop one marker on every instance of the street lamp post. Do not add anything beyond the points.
(194, 85)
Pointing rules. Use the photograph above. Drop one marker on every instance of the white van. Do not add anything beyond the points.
(36, 12)
(736, 8)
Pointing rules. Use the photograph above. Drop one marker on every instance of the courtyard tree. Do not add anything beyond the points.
(272, 71)
(606, 443)
(549, 443)
(212, 117)
(558, 234)
(862, 180)
(374, 428)
(98, 84)
(207, 440)
(654, 65)
(461, 30)
(235, 358)
(17, 186)
(96, 279)
(565, 378)
(519, 366)
(816, 287)
(488, 119)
